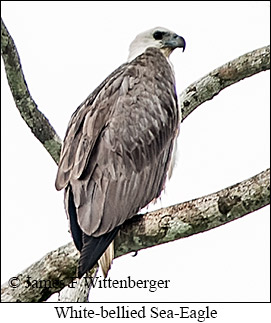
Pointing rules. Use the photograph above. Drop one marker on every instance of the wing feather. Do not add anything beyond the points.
(75, 135)
(117, 148)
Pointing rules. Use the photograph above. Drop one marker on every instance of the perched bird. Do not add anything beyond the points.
(118, 147)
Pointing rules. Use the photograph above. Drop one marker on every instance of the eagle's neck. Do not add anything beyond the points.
(134, 52)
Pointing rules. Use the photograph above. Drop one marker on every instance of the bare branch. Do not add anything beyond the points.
(143, 231)
(195, 216)
(232, 72)
(27, 107)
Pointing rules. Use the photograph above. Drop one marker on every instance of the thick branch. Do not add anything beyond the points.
(27, 107)
(164, 225)
(232, 72)
(199, 215)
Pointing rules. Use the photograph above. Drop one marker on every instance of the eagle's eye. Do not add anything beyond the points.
(157, 35)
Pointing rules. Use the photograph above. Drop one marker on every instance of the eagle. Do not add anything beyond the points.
(118, 147)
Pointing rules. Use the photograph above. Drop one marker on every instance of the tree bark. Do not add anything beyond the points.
(58, 267)
(232, 72)
(27, 107)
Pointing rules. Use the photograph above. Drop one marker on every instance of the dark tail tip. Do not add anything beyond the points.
(92, 250)
(80, 272)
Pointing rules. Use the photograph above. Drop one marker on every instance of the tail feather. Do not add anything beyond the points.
(106, 259)
(71, 212)
(92, 250)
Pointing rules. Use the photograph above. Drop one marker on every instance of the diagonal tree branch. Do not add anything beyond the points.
(58, 267)
(232, 72)
(27, 107)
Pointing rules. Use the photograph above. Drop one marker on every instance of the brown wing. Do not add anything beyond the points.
(83, 130)
(117, 148)
(118, 144)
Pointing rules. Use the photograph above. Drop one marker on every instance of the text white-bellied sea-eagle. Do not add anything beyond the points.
(118, 146)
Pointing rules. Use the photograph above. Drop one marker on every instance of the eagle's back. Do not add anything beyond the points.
(117, 150)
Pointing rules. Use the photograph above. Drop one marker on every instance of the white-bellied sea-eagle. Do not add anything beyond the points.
(118, 146)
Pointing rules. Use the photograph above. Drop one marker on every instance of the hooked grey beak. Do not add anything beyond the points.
(175, 41)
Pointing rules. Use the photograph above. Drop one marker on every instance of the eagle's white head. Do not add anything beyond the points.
(158, 37)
